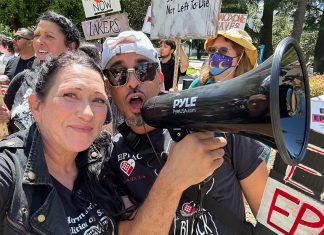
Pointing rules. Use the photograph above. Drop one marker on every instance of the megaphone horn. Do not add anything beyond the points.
(269, 103)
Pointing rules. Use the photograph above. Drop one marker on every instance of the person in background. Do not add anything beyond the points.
(54, 35)
(141, 152)
(7, 50)
(231, 54)
(167, 59)
(310, 69)
(8, 53)
(92, 51)
(23, 45)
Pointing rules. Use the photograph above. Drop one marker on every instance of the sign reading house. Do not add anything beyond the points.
(185, 19)
(97, 7)
(106, 26)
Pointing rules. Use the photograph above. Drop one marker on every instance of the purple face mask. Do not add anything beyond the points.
(219, 63)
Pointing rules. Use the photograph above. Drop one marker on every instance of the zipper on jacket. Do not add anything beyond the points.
(16, 226)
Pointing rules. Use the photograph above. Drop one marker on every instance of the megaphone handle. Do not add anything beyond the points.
(178, 134)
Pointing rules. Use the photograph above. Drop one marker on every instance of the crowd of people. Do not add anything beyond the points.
(62, 172)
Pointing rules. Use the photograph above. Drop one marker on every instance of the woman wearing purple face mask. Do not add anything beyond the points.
(231, 54)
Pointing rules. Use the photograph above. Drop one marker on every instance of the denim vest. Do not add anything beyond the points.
(29, 203)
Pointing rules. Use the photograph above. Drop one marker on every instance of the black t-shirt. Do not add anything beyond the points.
(168, 71)
(17, 65)
(83, 216)
(136, 168)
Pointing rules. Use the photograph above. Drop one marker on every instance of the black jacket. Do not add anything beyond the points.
(29, 203)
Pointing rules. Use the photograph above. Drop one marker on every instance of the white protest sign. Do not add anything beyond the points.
(147, 21)
(317, 118)
(285, 210)
(228, 21)
(97, 7)
(106, 26)
(185, 19)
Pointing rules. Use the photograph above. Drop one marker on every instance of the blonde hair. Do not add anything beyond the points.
(243, 66)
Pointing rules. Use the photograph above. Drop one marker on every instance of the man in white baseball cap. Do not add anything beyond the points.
(131, 66)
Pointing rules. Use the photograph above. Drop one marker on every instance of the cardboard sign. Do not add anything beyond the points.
(97, 7)
(228, 21)
(105, 27)
(185, 19)
(293, 201)
(317, 118)
(147, 21)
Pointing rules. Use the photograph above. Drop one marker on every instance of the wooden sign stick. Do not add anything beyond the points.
(3, 126)
(176, 63)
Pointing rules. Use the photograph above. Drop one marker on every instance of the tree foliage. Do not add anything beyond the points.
(136, 12)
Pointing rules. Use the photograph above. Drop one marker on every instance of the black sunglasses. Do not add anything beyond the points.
(213, 50)
(118, 76)
(18, 37)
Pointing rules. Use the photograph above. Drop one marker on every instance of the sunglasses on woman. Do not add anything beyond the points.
(221, 50)
(118, 76)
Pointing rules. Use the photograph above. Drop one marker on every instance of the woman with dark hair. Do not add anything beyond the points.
(48, 172)
(54, 34)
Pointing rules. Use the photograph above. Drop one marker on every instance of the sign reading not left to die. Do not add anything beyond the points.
(106, 26)
(97, 7)
(185, 19)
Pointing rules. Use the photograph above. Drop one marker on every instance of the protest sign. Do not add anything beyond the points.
(105, 26)
(228, 21)
(317, 118)
(293, 201)
(185, 19)
(147, 21)
(97, 7)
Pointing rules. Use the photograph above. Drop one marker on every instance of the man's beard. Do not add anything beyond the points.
(135, 120)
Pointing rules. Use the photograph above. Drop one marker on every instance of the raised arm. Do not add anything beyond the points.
(183, 59)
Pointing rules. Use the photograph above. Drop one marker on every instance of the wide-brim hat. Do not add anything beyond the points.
(240, 37)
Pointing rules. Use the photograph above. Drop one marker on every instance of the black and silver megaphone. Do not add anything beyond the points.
(269, 103)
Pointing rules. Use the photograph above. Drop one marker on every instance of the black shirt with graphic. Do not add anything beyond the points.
(83, 216)
(168, 70)
(136, 167)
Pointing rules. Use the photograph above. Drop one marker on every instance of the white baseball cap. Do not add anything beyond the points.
(127, 42)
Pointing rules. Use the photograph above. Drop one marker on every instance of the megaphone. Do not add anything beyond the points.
(269, 103)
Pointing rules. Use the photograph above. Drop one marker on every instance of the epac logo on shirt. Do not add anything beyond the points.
(188, 209)
(127, 166)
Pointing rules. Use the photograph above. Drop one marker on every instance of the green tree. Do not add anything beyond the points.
(315, 23)
(136, 10)
(266, 29)
(299, 19)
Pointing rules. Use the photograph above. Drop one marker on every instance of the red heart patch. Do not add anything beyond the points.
(127, 166)
(188, 208)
